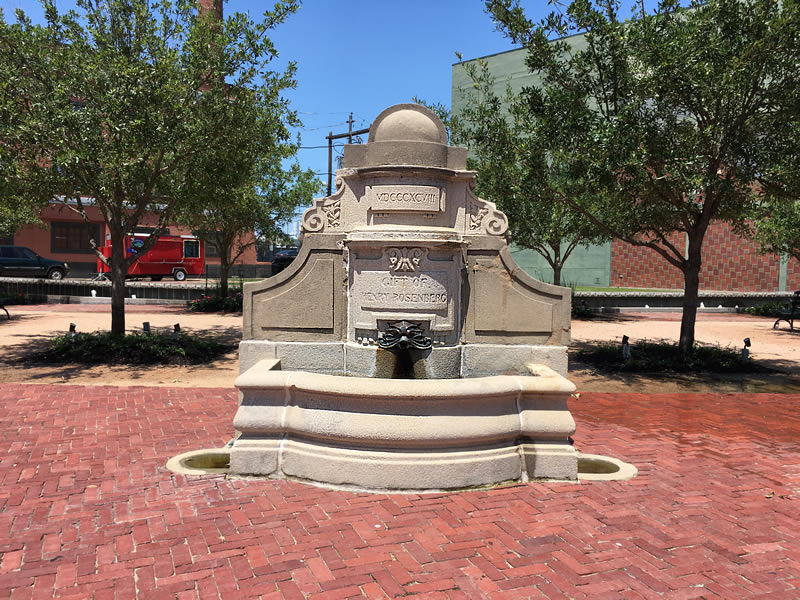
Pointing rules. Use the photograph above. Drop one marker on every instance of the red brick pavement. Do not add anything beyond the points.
(87, 509)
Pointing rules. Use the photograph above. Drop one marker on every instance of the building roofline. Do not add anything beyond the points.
(461, 62)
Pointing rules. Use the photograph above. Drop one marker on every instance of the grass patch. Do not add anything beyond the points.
(132, 349)
(662, 357)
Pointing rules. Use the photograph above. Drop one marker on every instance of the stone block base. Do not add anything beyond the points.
(448, 362)
(401, 471)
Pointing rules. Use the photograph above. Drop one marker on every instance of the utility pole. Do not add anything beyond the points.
(330, 137)
(350, 129)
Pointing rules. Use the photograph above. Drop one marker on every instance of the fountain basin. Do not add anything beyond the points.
(403, 435)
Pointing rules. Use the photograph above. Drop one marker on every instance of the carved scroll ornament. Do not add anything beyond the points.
(484, 218)
(326, 212)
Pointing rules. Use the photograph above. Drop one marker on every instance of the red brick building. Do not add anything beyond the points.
(65, 237)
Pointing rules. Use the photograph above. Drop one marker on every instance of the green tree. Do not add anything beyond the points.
(123, 104)
(515, 169)
(777, 222)
(778, 230)
(237, 218)
(674, 117)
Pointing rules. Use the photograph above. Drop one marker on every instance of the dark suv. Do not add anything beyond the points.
(20, 261)
(283, 259)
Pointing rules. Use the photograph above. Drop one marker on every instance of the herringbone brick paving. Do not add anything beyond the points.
(87, 509)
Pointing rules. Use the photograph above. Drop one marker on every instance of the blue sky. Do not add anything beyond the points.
(362, 56)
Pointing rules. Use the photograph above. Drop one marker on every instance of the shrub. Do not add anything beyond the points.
(763, 310)
(132, 349)
(662, 357)
(216, 303)
(579, 309)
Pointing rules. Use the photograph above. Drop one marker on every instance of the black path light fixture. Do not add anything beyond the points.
(746, 349)
(176, 331)
(626, 348)
(72, 330)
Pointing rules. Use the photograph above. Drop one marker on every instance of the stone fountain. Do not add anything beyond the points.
(404, 349)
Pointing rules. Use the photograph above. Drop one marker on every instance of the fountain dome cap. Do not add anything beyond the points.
(406, 135)
(408, 122)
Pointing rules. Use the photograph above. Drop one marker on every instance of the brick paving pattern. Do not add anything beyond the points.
(87, 509)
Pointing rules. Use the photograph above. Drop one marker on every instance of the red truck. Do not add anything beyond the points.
(173, 255)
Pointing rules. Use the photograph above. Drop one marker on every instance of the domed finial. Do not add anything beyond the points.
(408, 123)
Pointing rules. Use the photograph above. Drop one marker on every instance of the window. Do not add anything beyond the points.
(211, 248)
(191, 249)
(73, 237)
(7, 241)
(150, 230)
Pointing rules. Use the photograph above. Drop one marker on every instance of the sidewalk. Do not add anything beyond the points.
(89, 511)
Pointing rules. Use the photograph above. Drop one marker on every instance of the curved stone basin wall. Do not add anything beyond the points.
(422, 434)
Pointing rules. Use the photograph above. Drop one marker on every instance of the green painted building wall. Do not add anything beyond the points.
(586, 266)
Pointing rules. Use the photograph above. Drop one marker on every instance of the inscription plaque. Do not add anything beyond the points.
(406, 198)
(381, 290)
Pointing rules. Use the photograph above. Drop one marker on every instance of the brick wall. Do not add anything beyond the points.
(793, 275)
(733, 263)
(729, 263)
(643, 267)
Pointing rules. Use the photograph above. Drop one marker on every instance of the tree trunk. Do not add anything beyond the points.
(691, 289)
(224, 268)
(118, 272)
(557, 273)
(557, 264)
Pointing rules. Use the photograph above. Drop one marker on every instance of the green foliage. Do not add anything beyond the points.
(140, 106)
(132, 349)
(662, 123)
(765, 310)
(237, 218)
(777, 228)
(515, 170)
(217, 302)
(579, 310)
(661, 357)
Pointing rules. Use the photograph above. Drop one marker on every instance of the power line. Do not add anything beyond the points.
(317, 147)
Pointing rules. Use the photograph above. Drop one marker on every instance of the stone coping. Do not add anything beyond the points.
(542, 380)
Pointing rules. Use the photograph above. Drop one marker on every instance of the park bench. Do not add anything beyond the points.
(790, 313)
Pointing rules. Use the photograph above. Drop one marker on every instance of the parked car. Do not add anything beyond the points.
(19, 261)
(283, 259)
